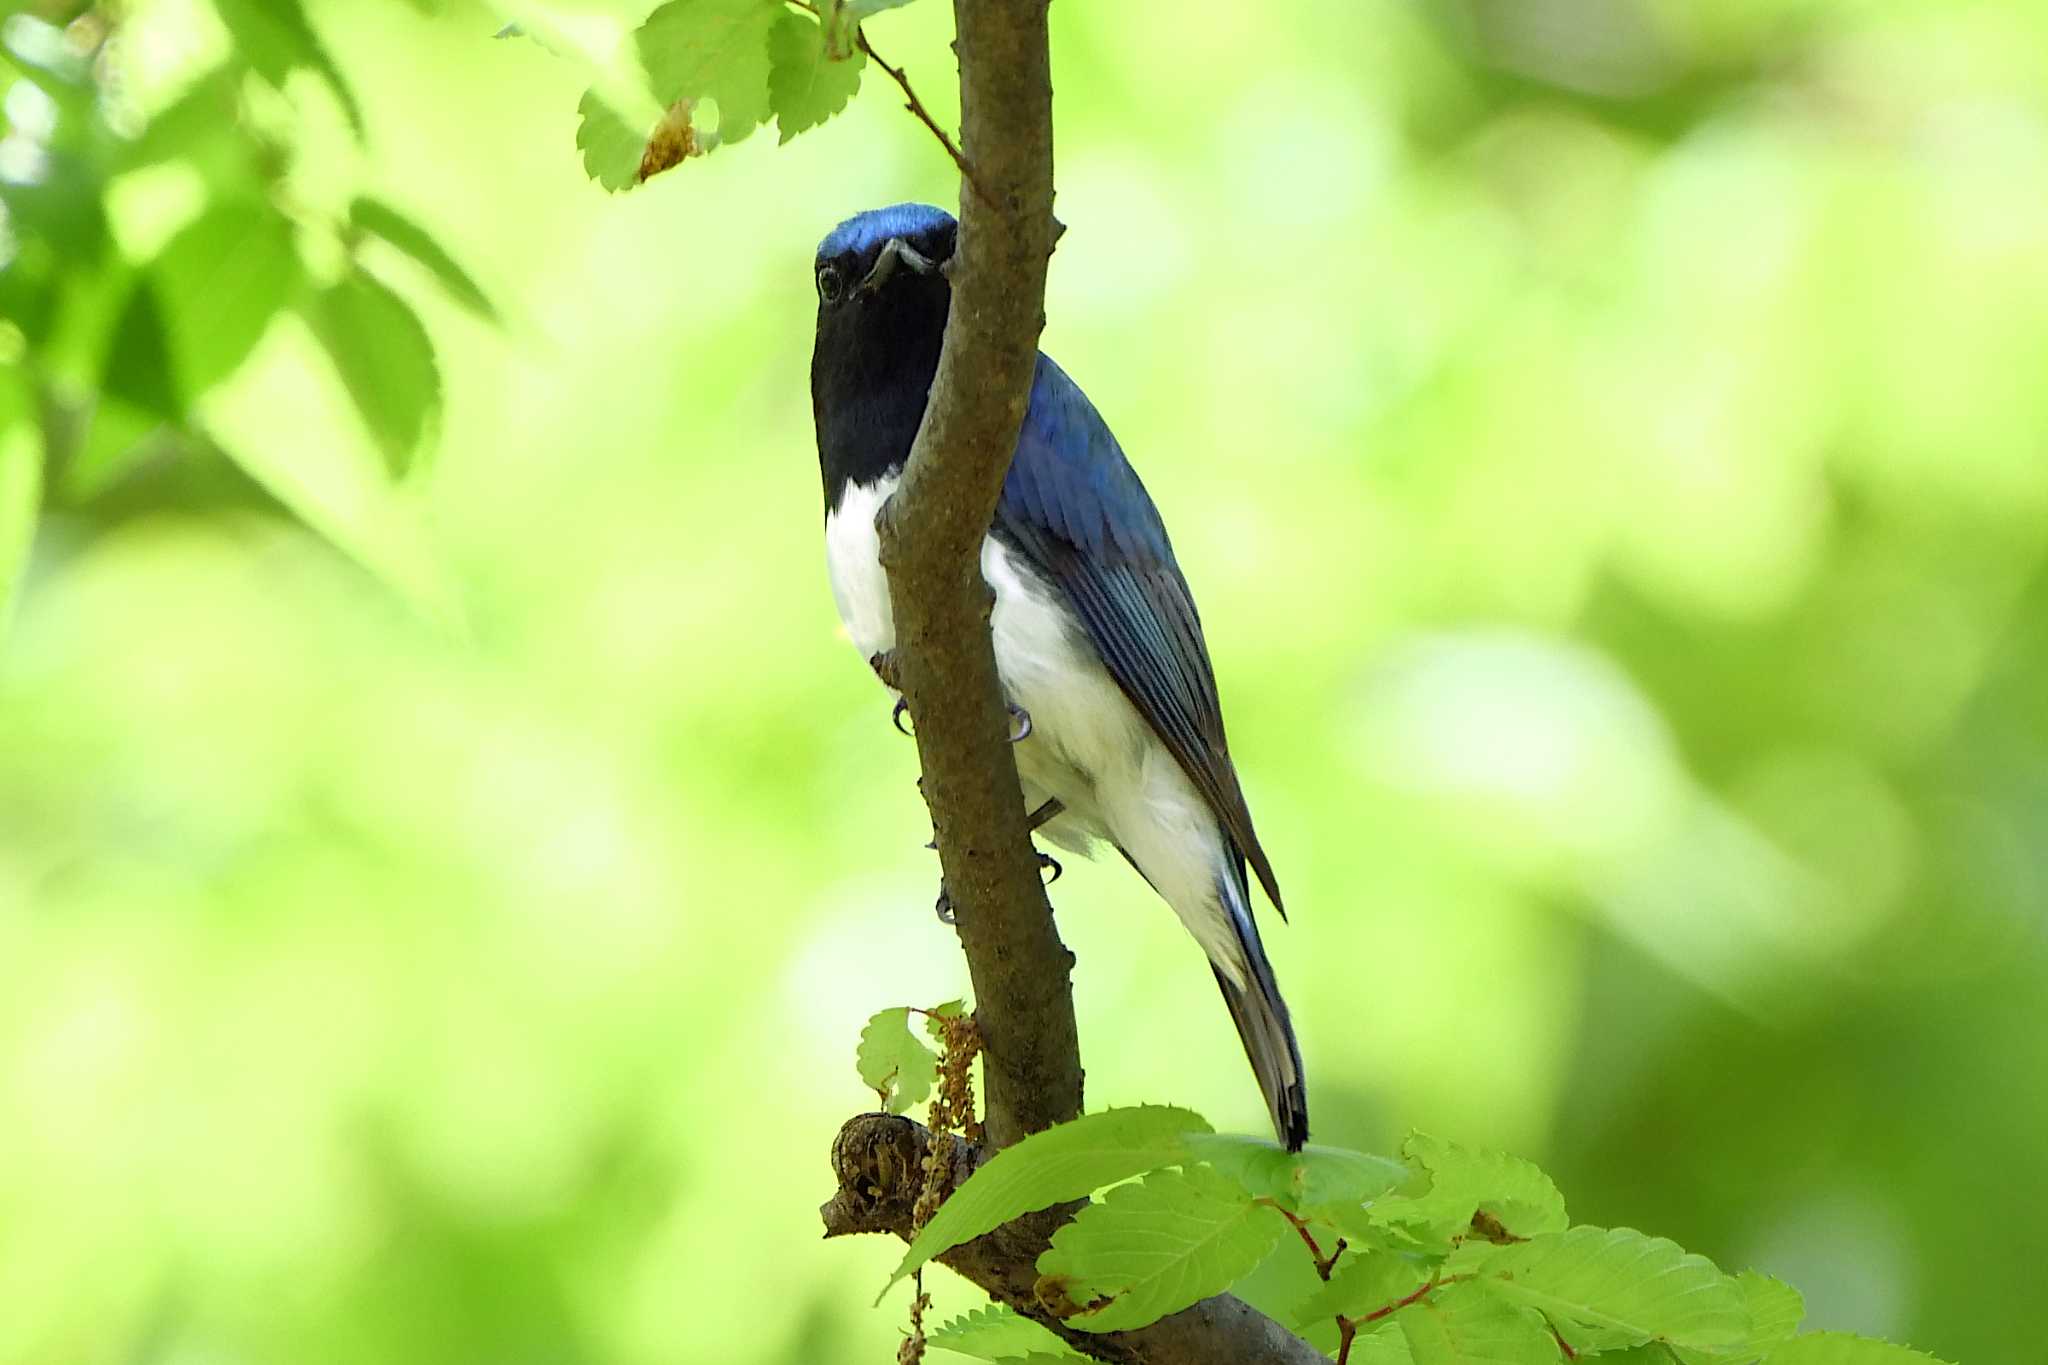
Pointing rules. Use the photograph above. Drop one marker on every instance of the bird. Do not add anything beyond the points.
(1117, 728)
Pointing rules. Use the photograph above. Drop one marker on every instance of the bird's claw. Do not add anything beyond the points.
(944, 907)
(1046, 860)
(1020, 723)
(896, 715)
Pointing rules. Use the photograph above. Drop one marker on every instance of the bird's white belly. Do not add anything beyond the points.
(1088, 746)
(1081, 722)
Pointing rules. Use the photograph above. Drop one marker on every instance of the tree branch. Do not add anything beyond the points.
(931, 533)
(878, 1159)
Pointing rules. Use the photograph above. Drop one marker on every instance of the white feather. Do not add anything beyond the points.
(1088, 746)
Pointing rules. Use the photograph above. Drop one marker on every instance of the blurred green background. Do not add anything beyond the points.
(1606, 438)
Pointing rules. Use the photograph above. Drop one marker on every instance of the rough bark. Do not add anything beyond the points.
(878, 1159)
(931, 534)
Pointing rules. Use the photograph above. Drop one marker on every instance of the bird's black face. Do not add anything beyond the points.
(882, 302)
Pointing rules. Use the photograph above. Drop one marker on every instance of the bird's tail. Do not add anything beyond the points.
(1261, 1017)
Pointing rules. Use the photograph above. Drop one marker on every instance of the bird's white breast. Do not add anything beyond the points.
(853, 558)
(1088, 747)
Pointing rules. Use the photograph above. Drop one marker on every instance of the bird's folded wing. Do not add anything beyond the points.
(1074, 507)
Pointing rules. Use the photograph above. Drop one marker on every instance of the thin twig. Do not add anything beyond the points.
(916, 106)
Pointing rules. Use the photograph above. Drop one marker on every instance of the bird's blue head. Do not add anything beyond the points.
(882, 303)
(864, 232)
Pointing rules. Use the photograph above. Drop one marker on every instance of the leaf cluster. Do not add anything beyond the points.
(115, 344)
(752, 61)
(1440, 1256)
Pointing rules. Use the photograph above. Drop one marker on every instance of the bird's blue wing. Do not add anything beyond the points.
(1074, 507)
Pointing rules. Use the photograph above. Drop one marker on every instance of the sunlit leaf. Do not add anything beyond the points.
(1362, 1282)
(1463, 1326)
(1775, 1312)
(611, 147)
(806, 85)
(1840, 1348)
(275, 37)
(1310, 1177)
(385, 360)
(998, 1332)
(712, 49)
(1606, 1288)
(1464, 1182)
(1154, 1247)
(893, 1063)
(1069, 1161)
(217, 285)
(379, 219)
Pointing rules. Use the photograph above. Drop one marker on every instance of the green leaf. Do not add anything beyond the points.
(1840, 1348)
(935, 1016)
(1305, 1179)
(1775, 1312)
(138, 367)
(806, 85)
(893, 1063)
(1775, 1308)
(1383, 1344)
(843, 17)
(1069, 1161)
(1155, 1247)
(998, 1332)
(274, 36)
(1463, 1326)
(380, 220)
(611, 147)
(218, 283)
(715, 49)
(21, 486)
(385, 360)
(1608, 1288)
(1362, 1282)
(1463, 1183)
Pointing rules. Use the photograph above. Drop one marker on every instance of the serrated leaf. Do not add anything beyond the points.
(1363, 1282)
(386, 223)
(385, 360)
(1462, 1326)
(1311, 1177)
(936, 1016)
(1385, 1344)
(1463, 1183)
(1607, 1288)
(806, 84)
(998, 1332)
(274, 36)
(893, 1063)
(611, 147)
(1775, 1312)
(1840, 1348)
(1069, 1161)
(712, 49)
(217, 285)
(1153, 1248)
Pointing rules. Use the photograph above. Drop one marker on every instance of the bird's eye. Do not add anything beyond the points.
(829, 284)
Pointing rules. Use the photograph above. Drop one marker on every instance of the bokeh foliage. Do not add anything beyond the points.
(1606, 439)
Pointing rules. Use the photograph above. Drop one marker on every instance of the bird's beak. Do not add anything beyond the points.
(896, 252)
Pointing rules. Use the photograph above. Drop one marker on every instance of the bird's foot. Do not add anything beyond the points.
(888, 668)
(1020, 723)
(896, 716)
(1046, 811)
